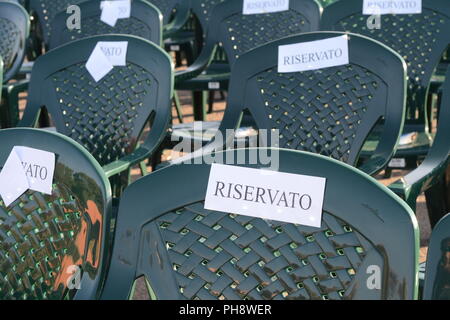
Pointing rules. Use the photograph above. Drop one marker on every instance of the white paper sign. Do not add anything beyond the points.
(264, 6)
(114, 10)
(313, 55)
(397, 163)
(266, 194)
(26, 168)
(379, 7)
(105, 56)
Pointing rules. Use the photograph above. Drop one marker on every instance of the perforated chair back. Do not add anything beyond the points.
(237, 33)
(46, 11)
(106, 117)
(328, 111)
(45, 239)
(437, 275)
(419, 38)
(14, 30)
(188, 252)
(145, 22)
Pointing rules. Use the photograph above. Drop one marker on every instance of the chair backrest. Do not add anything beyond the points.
(145, 22)
(188, 252)
(46, 11)
(237, 33)
(168, 8)
(419, 38)
(328, 111)
(437, 274)
(43, 238)
(106, 117)
(14, 29)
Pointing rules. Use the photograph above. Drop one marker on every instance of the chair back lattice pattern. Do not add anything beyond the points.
(13, 33)
(144, 22)
(318, 111)
(237, 33)
(225, 256)
(44, 239)
(106, 117)
(420, 39)
(102, 116)
(46, 11)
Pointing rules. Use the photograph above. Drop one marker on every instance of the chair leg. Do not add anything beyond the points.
(199, 102)
(437, 202)
(211, 97)
(178, 107)
(5, 116)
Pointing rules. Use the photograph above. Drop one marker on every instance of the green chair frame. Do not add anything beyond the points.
(437, 275)
(42, 236)
(430, 176)
(107, 117)
(187, 252)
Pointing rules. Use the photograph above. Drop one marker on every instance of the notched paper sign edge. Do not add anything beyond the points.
(99, 65)
(111, 11)
(13, 178)
(220, 195)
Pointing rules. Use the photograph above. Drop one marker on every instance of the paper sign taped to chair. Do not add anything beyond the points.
(379, 7)
(264, 6)
(397, 163)
(115, 10)
(266, 194)
(313, 55)
(26, 169)
(105, 56)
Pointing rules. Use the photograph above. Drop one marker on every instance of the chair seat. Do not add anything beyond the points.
(199, 138)
(216, 77)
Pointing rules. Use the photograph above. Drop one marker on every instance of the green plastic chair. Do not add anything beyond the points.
(44, 237)
(421, 40)
(430, 176)
(187, 252)
(229, 34)
(14, 30)
(107, 117)
(328, 111)
(437, 275)
(145, 22)
(45, 11)
(175, 14)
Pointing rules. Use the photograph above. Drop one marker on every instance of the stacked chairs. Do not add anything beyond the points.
(109, 116)
(421, 40)
(187, 252)
(14, 29)
(144, 22)
(327, 111)
(44, 239)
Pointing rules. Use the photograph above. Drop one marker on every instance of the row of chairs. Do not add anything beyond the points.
(187, 252)
(333, 114)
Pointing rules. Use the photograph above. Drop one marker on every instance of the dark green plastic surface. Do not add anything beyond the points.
(185, 251)
(42, 236)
